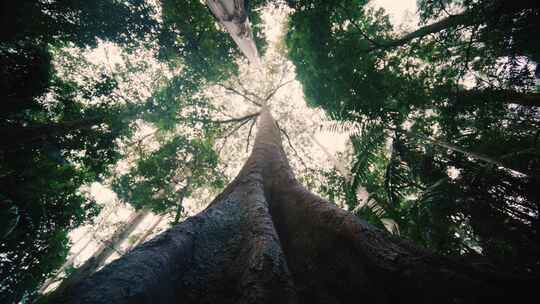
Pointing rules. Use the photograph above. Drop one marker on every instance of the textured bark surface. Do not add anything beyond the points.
(266, 239)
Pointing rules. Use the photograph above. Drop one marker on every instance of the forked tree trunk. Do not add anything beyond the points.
(267, 239)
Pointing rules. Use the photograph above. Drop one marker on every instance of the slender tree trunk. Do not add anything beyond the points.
(65, 266)
(233, 16)
(16, 136)
(448, 22)
(471, 154)
(267, 239)
(340, 167)
(103, 252)
(149, 231)
(69, 263)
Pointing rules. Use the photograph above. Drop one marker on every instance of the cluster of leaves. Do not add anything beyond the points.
(162, 179)
(57, 134)
(191, 37)
(452, 98)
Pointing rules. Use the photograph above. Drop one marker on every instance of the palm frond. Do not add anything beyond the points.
(351, 128)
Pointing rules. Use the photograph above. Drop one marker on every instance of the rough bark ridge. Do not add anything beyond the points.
(266, 239)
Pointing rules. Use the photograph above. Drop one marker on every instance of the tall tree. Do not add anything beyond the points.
(267, 239)
(454, 95)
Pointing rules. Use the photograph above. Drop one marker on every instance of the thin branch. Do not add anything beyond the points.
(226, 137)
(474, 155)
(235, 119)
(292, 147)
(465, 67)
(246, 91)
(233, 90)
(276, 89)
(140, 140)
(362, 33)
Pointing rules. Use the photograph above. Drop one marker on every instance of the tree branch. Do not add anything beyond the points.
(226, 137)
(276, 89)
(465, 18)
(249, 134)
(292, 147)
(233, 90)
(531, 99)
(235, 119)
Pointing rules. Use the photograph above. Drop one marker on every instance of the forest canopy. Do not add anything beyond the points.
(159, 102)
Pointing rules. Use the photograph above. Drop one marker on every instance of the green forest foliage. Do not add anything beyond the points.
(53, 141)
(406, 98)
(161, 180)
(189, 37)
(455, 95)
(62, 131)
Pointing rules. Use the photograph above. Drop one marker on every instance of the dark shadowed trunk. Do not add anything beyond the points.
(446, 23)
(14, 136)
(531, 99)
(466, 18)
(267, 239)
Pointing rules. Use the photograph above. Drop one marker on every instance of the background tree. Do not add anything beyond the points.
(451, 95)
(161, 180)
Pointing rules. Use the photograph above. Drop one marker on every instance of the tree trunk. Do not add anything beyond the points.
(467, 18)
(531, 99)
(446, 23)
(267, 239)
(233, 16)
(17, 136)
(149, 231)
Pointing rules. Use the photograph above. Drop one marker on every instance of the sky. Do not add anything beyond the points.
(401, 12)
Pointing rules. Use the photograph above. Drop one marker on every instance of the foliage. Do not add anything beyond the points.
(190, 37)
(414, 119)
(160, 180)
(79, 22)
(58, 133)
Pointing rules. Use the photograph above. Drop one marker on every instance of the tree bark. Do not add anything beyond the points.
(233, 16)
(267, 239)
